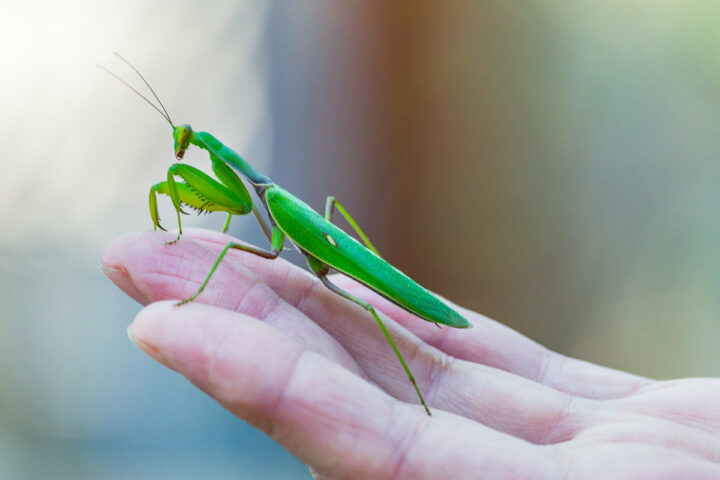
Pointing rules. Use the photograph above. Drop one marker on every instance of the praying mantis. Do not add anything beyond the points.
(325, 246)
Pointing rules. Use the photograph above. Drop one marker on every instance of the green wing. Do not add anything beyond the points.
(323, 240)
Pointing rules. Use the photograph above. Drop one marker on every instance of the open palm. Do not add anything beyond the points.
(270, 343)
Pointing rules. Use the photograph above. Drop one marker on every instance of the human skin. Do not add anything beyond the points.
(276, 348)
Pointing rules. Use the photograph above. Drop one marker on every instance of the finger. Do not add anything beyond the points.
(636, 428)
(141, 264)
(494, 344)
(328, 417)
(489, 342)
(502, 400)
(694, 402)
(345, 330)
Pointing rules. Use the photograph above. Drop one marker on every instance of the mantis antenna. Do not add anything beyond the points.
(146, 83)
(164, 115)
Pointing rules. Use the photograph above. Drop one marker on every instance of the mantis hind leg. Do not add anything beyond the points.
(321, 270)
(331, 204)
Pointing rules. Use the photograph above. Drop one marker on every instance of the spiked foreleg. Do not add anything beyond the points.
(202, 192)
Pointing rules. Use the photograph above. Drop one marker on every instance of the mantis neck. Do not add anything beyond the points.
(215, 148)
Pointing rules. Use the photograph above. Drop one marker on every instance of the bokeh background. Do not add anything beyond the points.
(554, 165)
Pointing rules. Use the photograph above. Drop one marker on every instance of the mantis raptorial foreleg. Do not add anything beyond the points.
(331, 204)
(187, 196)
(229, 194)
(278, 239)
(321, 270)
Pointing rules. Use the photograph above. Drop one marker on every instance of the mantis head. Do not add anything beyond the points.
(182, 135)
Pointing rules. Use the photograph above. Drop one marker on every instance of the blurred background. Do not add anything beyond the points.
(553, 165)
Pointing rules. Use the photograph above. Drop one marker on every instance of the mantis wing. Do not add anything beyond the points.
(328, 243)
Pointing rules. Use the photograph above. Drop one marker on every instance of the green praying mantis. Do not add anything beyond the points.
(325, 246)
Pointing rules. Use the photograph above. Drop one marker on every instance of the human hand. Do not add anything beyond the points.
(271, 344)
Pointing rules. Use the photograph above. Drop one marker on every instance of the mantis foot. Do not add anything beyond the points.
(173, 241)
(186, 301)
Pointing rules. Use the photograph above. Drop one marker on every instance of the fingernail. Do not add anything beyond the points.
(121, 278)
(150, 350)
(130, 334)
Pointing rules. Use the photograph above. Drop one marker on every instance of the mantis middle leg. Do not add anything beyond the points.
(278, 239)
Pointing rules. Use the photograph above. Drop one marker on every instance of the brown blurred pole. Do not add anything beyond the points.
(466, 211)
